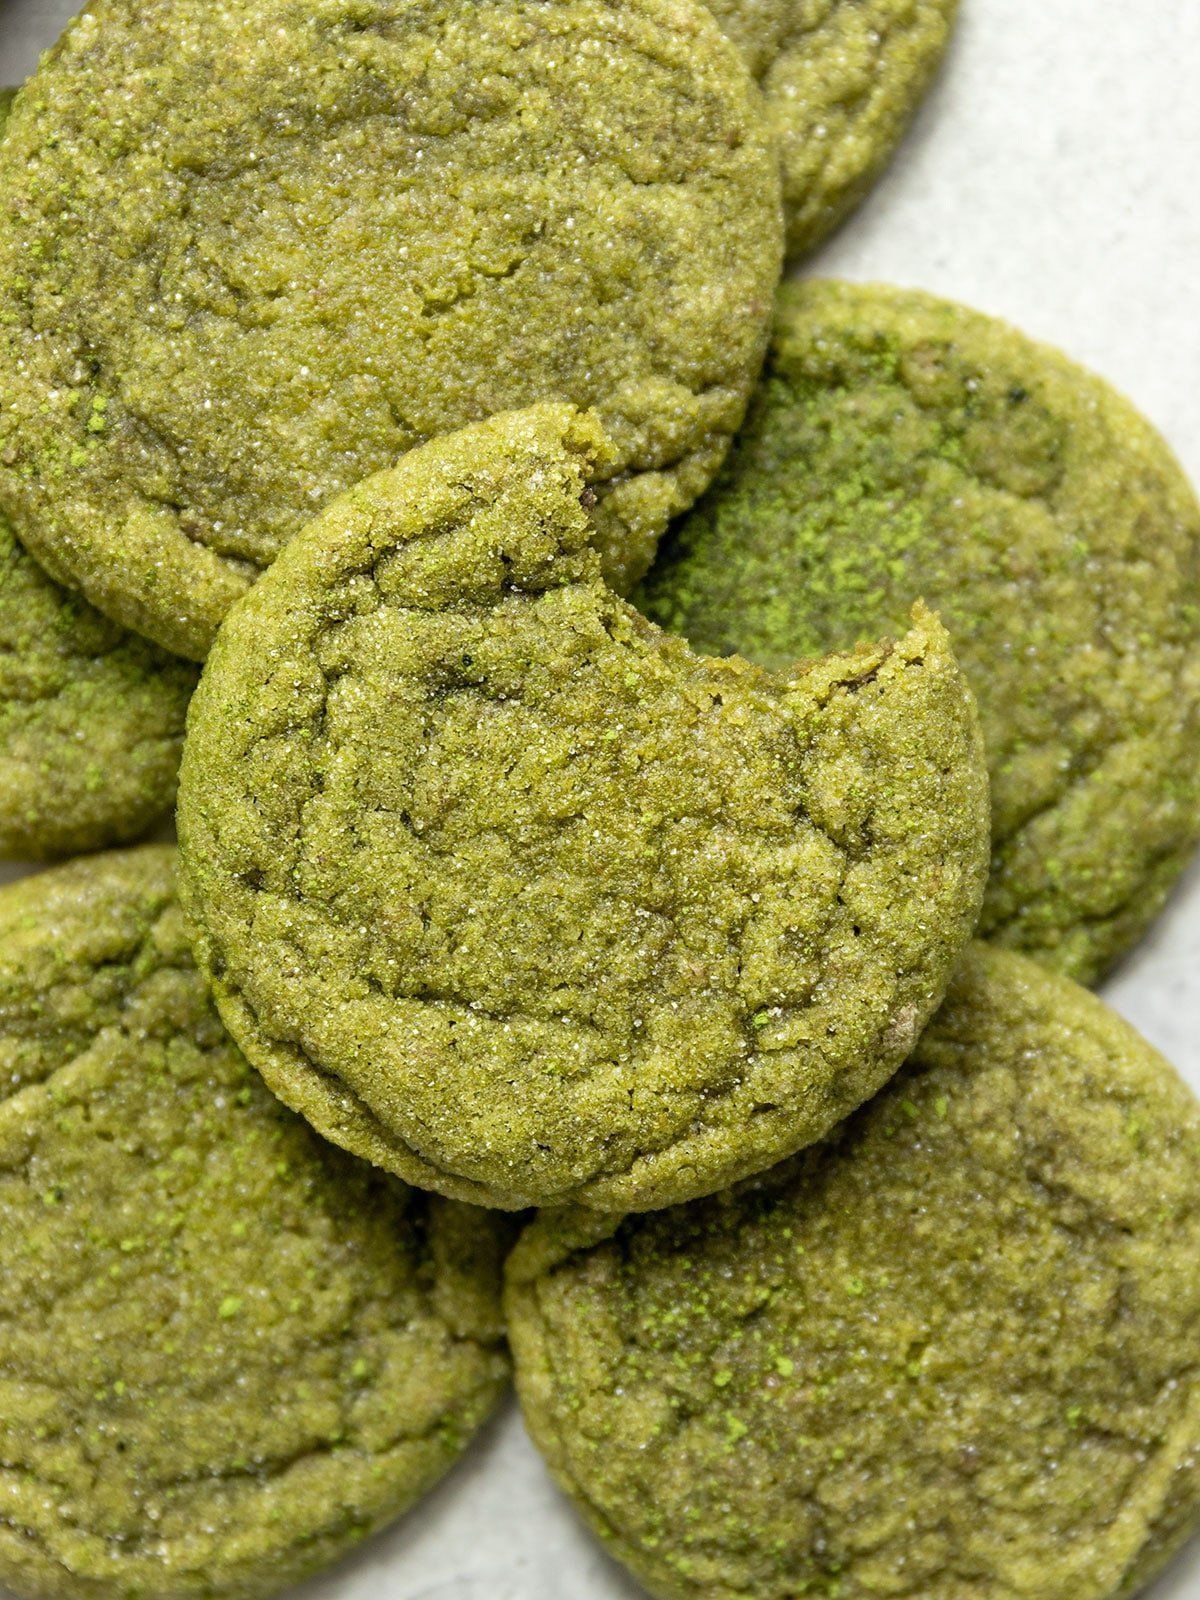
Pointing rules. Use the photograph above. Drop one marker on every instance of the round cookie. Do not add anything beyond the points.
(842, 79)
(91, 719)
(904, 447)
(951, 1351)
(228, 1351)
(515, 895)
(251, 253)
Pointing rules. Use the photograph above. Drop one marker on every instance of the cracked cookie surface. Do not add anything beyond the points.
(228, 1351)
(842, 79)
(251, 253)
(91, 719)
(905, 447)
(951, 1351)
(513, 894)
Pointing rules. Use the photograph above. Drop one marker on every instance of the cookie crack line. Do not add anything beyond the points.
(702, 1127)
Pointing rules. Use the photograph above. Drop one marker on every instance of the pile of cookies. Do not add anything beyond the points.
(669, 750)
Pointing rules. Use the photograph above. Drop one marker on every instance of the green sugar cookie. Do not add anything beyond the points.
(91, 719)
(515, 895)
(228, 1351)
(842, 79)
(952, 1351)
(251, 253)
(904, 447)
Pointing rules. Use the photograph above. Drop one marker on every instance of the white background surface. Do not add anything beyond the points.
(1053, 178)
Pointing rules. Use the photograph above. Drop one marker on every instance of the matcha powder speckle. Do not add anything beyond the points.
(904, 447)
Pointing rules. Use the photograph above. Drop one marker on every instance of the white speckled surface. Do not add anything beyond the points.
(1052, 179)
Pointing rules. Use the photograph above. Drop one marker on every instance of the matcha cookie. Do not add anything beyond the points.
(513, 894)
(91, 719)
(903, 447)
(228, 1351)
(252, 253)
(952, 1351)
(842, 79)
